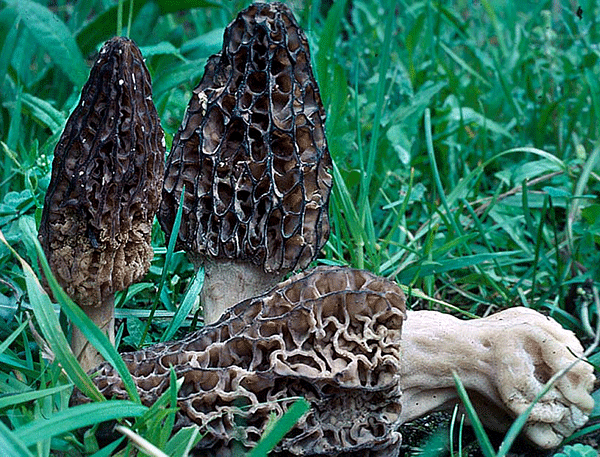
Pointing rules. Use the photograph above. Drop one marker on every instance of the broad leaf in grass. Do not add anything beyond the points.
(44, 113)
(52, 35)
(469, 115)
(171, 77)
(162, 48)
(578, 450)
(102, 27)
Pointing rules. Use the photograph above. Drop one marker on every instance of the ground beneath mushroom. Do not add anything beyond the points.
(432, 433)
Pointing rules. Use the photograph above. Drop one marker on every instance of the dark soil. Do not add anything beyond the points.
(431, 434)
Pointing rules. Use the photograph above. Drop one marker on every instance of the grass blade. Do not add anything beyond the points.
(52, 331)
(11, 444)
(384, 62)
(484, 441)
(15, 399)
(464, 65)
(186, 305)
(8, 48)
(436, 173)
(285, 423)
(95, 336)
(13, 336)
(168, 256)
(78, 417)
(108, 450)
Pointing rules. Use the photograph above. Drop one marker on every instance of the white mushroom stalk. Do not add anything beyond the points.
(504, 361)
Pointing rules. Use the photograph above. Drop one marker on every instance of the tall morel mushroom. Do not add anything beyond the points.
(105, 188)
(331, 335)
(252, 155)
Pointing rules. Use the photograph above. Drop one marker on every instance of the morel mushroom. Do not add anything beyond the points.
(331, 335)
(105, 189)
(503, 360)
(252, 155)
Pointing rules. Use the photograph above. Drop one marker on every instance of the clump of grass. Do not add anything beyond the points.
(466, 163)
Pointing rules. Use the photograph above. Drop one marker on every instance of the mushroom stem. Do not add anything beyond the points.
(104, 317)
(228, 282)
(503, 361)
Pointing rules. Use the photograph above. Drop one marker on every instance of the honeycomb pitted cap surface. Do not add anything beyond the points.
(251, 150)
(107, 175)
(330, 335)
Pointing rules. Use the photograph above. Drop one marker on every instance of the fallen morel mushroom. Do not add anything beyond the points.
(331, 335)
(252, 155)
(105, 189)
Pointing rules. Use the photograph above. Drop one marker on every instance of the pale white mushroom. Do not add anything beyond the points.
(503, 360)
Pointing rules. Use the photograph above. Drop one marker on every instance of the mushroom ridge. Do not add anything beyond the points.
(331, 335)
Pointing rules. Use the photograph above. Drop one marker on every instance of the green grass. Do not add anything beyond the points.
(465, 140)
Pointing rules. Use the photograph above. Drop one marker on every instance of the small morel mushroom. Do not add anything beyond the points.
(503, 361)
(105, 188)
(252, 155)
(331, 335)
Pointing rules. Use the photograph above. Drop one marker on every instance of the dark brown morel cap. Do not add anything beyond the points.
(251, 150)
(106, 181)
